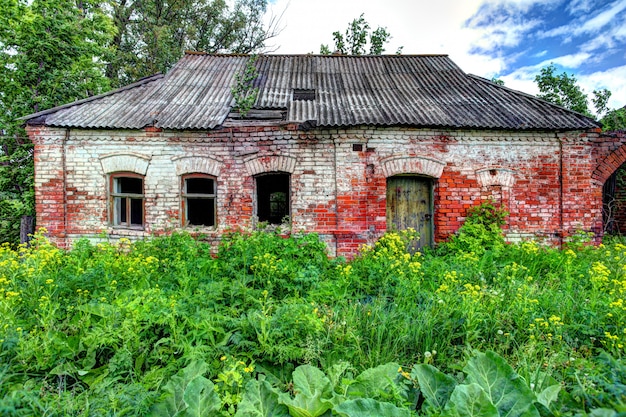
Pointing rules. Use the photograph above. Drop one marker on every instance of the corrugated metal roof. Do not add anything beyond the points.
(387, 90)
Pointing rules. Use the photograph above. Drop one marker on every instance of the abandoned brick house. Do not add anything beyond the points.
(344, 146)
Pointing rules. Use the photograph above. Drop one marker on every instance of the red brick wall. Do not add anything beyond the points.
(550, 183)
(50, 196)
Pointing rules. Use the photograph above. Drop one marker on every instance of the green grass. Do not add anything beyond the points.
(102, 329)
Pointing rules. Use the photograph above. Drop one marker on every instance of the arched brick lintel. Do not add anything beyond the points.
(495, 176)
(609, 165)
(195, 164)
(270, 163)
(418, 165)
(125, 162)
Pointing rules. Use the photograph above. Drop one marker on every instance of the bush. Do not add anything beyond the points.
(481, 231)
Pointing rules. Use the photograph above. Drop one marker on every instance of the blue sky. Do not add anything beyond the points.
(508, 39)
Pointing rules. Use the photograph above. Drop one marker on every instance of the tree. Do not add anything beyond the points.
(563, 90)
(614, 119)
(152, 35)
(51, 53)
(355, 40)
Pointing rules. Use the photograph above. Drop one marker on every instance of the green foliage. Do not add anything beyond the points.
(356, 38)
(563, 90)
(503, 387)
(435, 386)
(244, 92)
(270, 326)
(491, 388)
(313, 393)
(481, 231)
(17, 195)
(614, 120)
(151, 36)
(260, 399)
(51, 53)
(188, 394)
(368, 407)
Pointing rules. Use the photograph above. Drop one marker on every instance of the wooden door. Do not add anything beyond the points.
(409, 204)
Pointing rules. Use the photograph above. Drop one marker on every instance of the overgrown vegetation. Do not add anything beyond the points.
(244, 92)
(271, 326)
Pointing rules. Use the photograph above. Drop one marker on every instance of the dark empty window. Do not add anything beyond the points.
(198, 192)
(127, 200)
(272, 197)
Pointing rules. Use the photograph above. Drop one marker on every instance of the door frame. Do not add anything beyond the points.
(431, 209)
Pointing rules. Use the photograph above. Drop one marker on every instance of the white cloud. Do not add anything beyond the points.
(419, 26)
(508, 32)
(570, 61)
(612, 79)
(584, 25)
(598, 22)
(580, 6)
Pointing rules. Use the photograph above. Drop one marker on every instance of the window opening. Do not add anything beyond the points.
(198, 200)
(127, 198)
(303, 94)
(273, 197)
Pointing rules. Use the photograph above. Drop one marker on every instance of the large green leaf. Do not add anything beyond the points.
(200, 398)
(470, 401)
(313, 393)
(434, 384)
(173, 403)
(260, 400)
(549, 395)
(336, 371)
(369, 407)
(504, 388)
(602, 412)
(374, 382)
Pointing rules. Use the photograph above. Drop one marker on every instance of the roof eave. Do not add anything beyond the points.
(37, 118)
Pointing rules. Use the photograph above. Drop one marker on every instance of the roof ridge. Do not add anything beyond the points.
(202, 53)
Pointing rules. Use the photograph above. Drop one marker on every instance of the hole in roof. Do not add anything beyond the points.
(303, 94)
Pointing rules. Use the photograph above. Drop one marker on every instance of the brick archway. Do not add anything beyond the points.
(609, 165)
(128, 161)
(491, 176)
(196, 164)
(609, 176)
(270, 163)
(418, 165)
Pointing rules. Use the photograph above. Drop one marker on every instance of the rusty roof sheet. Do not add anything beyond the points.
(343, 91)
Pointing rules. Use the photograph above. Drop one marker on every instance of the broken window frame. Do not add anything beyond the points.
(264, 197)
(122, 203)
(185, 197)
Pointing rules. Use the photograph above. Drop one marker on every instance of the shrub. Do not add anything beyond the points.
(481, 231)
